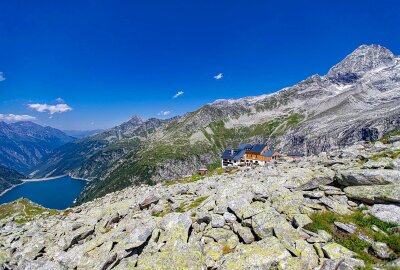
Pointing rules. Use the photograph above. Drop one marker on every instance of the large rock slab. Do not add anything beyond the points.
(185, 257)
(176, 228)
(358, 177)
(138, 232)
(386, 212)
(336, 251)
(335, 206)
(258, 255)
(263, 224)
(374, 194)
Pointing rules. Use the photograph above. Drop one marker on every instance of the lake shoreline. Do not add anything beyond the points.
(28, 180)
(43, 179)
(58, 194)
(10, 188)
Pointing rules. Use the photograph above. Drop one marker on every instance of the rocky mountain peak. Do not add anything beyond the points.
(361, 60)
(136, 120)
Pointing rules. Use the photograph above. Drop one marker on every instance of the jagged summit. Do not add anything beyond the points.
(363, 59)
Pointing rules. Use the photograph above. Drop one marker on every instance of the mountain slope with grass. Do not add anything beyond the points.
(358, 99)
(9, 178)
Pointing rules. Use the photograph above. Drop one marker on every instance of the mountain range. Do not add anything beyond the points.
(23, 145)
(358, 99)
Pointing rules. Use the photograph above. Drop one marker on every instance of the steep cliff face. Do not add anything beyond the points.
(358, 99)
(24, 144)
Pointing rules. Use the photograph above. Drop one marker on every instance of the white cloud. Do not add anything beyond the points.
(16, 117)
(51, 109)
(164, 113)
(2, 78)
(219, 76)
(180, 93)
(60, 100)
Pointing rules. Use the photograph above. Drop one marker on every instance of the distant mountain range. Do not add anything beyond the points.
(82, 133)
(23, 145)
(358, 99)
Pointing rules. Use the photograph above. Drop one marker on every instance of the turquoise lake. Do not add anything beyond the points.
(57, 193)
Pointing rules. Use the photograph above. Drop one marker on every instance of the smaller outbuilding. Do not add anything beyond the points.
(202, 172)
(295, 154)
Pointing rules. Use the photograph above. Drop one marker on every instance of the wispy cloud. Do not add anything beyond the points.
(180, 93)
(219, 76)
(2, 77)
(164, 113)
(60, 100)
(51, 109)
(16, 117)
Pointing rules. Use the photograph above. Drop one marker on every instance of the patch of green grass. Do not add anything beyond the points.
(24, 210)
(324, 221)
(386, 137)
(213, 166)
(219, 171)
(197, 202)
(366, 221)
(393, 240)
(182, 208)
(185, 180)
(391, 154)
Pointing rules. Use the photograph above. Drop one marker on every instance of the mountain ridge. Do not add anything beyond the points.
(25, 144)
(356, 100)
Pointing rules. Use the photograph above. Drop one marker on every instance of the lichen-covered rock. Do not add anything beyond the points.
(139, 232)
(213, 250)
(381, 250)
(217, 221)
(336, 206)
(349, 228)
(262, 255)
(291, 264)
(286, 233)
(375, 194)
(184, 257)
(244, 233)
(176, 227)
(386, 212)
(152, 199)
(301, 220)
(336, 251)
(342, 264)
(229, 217)
(263, 224)
(358, 177)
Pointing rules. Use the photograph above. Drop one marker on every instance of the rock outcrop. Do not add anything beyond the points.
(250, 219)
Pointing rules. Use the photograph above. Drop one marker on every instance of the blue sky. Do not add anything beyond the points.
(109, 60)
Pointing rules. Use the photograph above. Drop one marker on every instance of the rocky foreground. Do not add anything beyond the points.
(335, 211)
